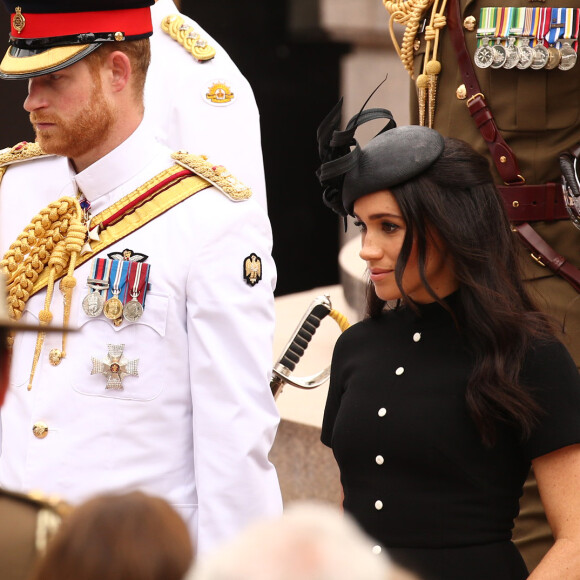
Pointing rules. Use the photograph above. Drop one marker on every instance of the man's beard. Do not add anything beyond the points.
(75, 137)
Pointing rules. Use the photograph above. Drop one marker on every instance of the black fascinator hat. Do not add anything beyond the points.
(393, 156)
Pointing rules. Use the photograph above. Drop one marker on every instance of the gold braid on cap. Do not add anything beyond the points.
(55, 238)
(175, 26)
(409, 13)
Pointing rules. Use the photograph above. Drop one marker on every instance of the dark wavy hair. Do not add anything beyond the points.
(457, 199)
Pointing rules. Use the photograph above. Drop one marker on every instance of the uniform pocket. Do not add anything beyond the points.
(137, 339)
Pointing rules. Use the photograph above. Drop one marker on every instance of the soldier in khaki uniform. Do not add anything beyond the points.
(536, 111)
(26, 521)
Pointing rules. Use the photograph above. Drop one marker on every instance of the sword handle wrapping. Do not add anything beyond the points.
(303, 336)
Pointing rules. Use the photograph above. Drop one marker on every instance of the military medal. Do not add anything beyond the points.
(526, 51)
(483, 56)
(568, 56)
(498, 55)
(540, 57)
(502, 26)
(512, 54)
(132, 311)
(540, 26)
(554, 55)
(526, 57)
(93, 302)
(115, 367)
(113, 308)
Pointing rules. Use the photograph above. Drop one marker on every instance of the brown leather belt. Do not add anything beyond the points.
(546, 256)
(533, 203)
(524, 203)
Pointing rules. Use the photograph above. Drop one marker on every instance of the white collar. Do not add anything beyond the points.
(120, 165)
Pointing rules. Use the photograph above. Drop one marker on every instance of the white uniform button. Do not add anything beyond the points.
(40, 429)
(379, 459)
(382, 412)
(417, 337)
(399, 371)
(378, 505)
(377, 550)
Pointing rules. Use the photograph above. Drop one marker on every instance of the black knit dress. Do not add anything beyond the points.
(415, 473)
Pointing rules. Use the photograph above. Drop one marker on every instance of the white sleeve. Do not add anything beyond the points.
(230, 327)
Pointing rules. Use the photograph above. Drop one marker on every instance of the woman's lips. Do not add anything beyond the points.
(378, 274)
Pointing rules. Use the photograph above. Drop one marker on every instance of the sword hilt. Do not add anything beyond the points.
(294, 350)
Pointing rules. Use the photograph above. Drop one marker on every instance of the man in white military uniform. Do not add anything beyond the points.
(165, 385)
(196, 99)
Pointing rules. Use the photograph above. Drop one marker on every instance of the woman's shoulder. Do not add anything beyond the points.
(549, 366)
(547, 352)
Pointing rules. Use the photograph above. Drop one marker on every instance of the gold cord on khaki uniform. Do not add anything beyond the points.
(54, 238)
(410, 13)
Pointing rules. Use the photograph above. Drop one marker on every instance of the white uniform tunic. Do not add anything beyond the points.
(183, 117)
(196, 425)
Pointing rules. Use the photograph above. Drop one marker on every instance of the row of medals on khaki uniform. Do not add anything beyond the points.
(528, 37)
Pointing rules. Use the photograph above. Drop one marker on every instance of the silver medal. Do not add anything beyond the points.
(483, 56)
(512, 54)
(526, 57)
(568, 57)
(132, 311)
(540, 58)
(93, 303)
(499, 56)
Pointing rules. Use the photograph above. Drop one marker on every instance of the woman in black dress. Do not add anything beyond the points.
(454, 384)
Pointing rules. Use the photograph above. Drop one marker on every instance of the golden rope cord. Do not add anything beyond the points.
(409, 14)
(54, 238)
(340, 319)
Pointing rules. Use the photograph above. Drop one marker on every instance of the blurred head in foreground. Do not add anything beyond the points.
(131, 536)
(309, 541)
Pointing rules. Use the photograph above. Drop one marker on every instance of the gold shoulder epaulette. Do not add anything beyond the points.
(217, 175)
(23, 151)
(186, 35)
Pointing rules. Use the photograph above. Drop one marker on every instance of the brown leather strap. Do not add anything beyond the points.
(532, 203)
(544, 255)
(503, 157)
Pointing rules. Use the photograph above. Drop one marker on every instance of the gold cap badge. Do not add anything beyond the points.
(19, 22)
